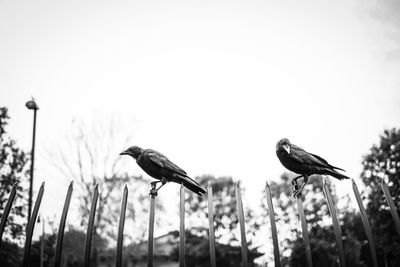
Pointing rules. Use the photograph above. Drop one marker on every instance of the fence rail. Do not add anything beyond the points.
(331, 206)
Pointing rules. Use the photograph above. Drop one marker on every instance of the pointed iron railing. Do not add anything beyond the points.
(89, 233)
(182, 227)
(31, 226)
(335, 221)
(211, 235)
(121, 227)
(366, 224)
(150, 240)
(273, 226)
(306, 238)
(60, 236)
(245, 260)
(7, 209)
(392, 207)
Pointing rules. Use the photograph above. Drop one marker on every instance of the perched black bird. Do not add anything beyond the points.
(304, 163)
(160, 167)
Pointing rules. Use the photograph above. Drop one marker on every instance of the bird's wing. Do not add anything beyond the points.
(164, 162)
(325, 162)
(303, 156)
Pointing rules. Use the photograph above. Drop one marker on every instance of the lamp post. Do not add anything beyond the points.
(31, 104)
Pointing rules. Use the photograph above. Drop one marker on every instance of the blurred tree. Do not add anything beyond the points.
(226, 221)
(14, 168)
(72, 251)
(91, 156)
(323, 245)
(383, 163)
(48, 252)
(11, 254)
(285, 205)
(356, 249)
(197, 253)
(225, 210)
(73, 247)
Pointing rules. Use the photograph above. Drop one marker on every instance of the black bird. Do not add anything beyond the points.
(160, 167)
(304, 163)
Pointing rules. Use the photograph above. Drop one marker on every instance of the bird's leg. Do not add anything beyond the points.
(154, 190)
(297, 192)
(163, 182)
(294, 182)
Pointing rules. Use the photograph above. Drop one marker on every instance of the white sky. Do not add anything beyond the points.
(211, 84)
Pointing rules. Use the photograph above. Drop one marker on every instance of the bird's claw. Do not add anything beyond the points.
(153, 192)
(297, 193)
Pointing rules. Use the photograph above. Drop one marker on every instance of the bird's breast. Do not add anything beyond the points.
(289, 163)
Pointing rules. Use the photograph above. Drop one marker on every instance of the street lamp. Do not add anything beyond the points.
(31, 104)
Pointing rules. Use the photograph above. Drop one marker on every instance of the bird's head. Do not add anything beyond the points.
(283, 144)
(133, 151)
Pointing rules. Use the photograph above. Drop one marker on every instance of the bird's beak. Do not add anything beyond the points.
(287, 148)
(124, 153)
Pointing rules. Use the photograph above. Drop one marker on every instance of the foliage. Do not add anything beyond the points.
(226, 222)
(225, 210)
(14, 168)
(383, 163)
(11, 254)
(285, 207)
(197, 253)
(73, 247)
(322, 241)
(72, 250)
(356, 249)
(48, 251)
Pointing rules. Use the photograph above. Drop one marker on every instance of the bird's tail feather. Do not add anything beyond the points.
(337, 168)
(192, 185)
(336, 174)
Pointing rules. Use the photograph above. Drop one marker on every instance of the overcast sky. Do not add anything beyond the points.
(211, 84)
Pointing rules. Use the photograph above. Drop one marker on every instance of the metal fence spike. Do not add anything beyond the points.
(31, 226)
(150, 240)
(392, 207)
(7, 209)
(211, 235)
(89, 233)
(366, 224)
(60, 236)
(182, 227)
(306, 238)
(242, 226)
(336, 225)
(273, 226)
(121, 227)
